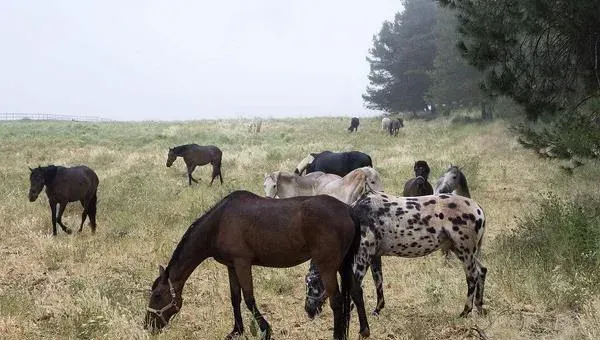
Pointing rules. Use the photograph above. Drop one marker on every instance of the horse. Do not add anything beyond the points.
(64, 185)
(395, 125)
(414, 227)
(452, 181)
(354, 122)
(338, 163)
(243, 230)
(418, 186)
(283, 184)
(385, 123)
(346, 189)
(196, 155)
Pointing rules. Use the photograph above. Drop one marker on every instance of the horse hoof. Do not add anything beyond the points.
(233, 335)
(482, 311)
(68, 231)
(266, 334)
(365, 333)
(375, 312)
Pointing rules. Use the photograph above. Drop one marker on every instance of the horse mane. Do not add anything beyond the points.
(178, 150)
(462, 180)
(196, 226)
(49, 173)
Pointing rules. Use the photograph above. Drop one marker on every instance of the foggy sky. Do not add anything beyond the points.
(175, 60)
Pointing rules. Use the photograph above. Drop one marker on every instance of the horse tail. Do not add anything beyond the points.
(91, 210)
(370, 163)
(347, 274)
(480, 234)
(216, 163)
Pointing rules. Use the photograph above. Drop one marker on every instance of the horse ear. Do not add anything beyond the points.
(30, 169)
(161, 270)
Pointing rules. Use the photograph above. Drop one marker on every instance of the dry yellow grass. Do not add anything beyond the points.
(87, 286)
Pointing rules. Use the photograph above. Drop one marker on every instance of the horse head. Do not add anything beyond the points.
(39, 177)
(164, 302)
(270, 184)
(421, 168)
(171, 157)
(371, 179)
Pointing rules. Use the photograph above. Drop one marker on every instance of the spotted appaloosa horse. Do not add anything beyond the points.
(415, 227)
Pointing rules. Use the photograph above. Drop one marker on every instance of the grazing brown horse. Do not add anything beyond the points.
(395, 126)
(245, 230)
(196, 155)
(354, 123)
(418, 186)
(64, 185)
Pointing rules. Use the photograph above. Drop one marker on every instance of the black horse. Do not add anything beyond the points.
(64, 185)
(395, 125)
(196, 155)
(418, 186)
(354, 124)
(339, 163)
(245, 230)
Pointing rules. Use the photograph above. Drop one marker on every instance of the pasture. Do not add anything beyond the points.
(85, 286)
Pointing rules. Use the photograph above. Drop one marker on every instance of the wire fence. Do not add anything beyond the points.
(50, 116)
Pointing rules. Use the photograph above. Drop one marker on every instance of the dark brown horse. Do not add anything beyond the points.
(395, 126)
(418, 186)
(64, 185)
(196, 155)
(243, 230)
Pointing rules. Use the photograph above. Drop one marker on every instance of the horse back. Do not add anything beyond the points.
(279, 232)
(202, 154)
(73, 184)
(417, 226)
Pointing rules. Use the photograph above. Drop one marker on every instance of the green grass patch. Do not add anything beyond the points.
(557, 249)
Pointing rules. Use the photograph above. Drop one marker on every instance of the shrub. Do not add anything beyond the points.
(558, 248)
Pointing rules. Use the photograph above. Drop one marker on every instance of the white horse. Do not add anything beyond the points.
(385, 123)
(304, 164)
(285, 184)
(453, 181)
(347, 189)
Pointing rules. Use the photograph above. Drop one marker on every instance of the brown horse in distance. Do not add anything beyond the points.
(196, 155)
(245, 230)
(64, 185)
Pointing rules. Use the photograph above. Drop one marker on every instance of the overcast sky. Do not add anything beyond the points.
(167, 60)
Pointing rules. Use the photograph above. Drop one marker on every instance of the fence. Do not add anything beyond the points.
(50, 116)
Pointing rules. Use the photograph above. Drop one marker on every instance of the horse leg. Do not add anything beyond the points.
(243, 270)
(336, 300)
(190, 169)
(364, 257)
(480, 285)
(61, 210)
(236, 299)
(83, 214)
(378, 279)
(473, 276)
(53, 211)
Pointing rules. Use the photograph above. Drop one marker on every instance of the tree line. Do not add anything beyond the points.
(542, 55)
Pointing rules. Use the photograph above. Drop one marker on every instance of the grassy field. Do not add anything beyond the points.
(87, 286)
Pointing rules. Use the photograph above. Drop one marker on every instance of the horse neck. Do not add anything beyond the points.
(355, 186)
(193, 248)
(461, 187)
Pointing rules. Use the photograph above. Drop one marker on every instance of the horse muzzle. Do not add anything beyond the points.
(32, 197)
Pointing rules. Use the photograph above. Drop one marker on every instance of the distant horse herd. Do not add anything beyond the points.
(332, 210)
